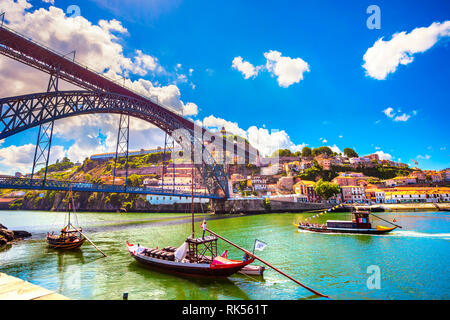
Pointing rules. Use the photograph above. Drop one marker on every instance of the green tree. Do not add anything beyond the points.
(134, 180)
(322, 150)
(350, 153)
(326, 190)
(306, 152)
(283, 153)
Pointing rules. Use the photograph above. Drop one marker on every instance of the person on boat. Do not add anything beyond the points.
(225, 254)
(203, 225)
(246, 257)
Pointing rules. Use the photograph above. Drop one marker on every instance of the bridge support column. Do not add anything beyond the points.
(123, 138)
(45, 134)
(169, 143)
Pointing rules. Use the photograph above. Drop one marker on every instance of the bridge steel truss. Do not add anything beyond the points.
(27, 111)
(103, 95)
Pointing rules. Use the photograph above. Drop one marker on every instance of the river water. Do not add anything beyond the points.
(413, 261)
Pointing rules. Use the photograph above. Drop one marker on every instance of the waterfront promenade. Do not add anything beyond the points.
(12, 288)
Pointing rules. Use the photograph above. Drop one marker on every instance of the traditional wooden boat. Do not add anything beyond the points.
(196, 256)
(360, 224)
(188, 258)
(69, 238)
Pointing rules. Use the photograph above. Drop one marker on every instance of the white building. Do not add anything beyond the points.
(173, 199)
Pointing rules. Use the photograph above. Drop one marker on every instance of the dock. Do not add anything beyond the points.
(12, 288)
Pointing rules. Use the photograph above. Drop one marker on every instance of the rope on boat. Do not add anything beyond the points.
(268, 264)
(73, 205)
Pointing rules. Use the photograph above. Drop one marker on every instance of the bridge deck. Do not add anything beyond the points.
(36, 184)
(12, 288)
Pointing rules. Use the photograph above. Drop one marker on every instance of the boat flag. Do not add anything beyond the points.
(259, 245)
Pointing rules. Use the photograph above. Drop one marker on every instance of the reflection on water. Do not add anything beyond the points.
(413, 260)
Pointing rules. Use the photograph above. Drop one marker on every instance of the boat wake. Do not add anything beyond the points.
(396, 233)
(416, 234)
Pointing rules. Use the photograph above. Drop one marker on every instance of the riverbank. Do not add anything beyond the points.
(416, 206)
(9, 236)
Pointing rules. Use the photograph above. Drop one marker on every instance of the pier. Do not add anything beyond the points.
(12, 288)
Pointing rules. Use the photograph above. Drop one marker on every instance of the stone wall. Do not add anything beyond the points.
(258, 206)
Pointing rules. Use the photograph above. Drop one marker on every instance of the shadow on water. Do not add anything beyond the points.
(213, 288)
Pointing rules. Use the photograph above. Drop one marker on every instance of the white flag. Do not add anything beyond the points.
(259, 245)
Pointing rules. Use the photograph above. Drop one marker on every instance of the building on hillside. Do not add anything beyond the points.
(324, 161)
(258, 183)
(285, 183)
(420, 176)
(151, 182)
(112, 155)
(352, 179)
(292, 167)
(306, 188)
(353, 194)
(306, 164)
(155, 200)
(375, 195)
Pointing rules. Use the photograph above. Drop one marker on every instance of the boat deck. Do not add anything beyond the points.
(200, 240)
(12, 288)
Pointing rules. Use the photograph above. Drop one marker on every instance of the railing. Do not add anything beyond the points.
(37, 184)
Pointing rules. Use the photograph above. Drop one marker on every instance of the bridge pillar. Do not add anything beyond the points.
(45, 134)
(122, 146)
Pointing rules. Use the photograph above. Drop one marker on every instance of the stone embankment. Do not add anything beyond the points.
(252, 206)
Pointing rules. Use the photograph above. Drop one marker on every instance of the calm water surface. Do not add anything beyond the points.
(413, 261)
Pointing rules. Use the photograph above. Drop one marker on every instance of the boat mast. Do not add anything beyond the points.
(192, 198)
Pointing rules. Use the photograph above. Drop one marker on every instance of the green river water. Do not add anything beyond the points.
(413, 261)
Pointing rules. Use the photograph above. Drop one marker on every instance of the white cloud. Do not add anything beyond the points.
(260, 138)
(20, 158)
(324, 141)
(384, 57)
(336, 149)
(425, 157)
(246, 68)
(384, 156)
(288, 70)
(190, 109)
(390, 113)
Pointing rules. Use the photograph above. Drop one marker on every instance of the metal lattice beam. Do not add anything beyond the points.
(123, 138)
(23, 112)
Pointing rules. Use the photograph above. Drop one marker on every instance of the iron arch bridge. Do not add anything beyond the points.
(27, 111)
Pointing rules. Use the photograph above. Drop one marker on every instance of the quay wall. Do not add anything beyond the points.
(253, 206)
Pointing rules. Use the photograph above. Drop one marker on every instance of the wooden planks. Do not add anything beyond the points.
(12, 288)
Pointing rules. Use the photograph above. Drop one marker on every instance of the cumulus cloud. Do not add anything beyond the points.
(424, 157)
(384, 57)
(390, 113)
(384, 156)
(20, 158)
(260, 138)
(336, 149)
(245, 67)
(287, 70)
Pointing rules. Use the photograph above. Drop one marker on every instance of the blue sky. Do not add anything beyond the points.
(336, 103)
